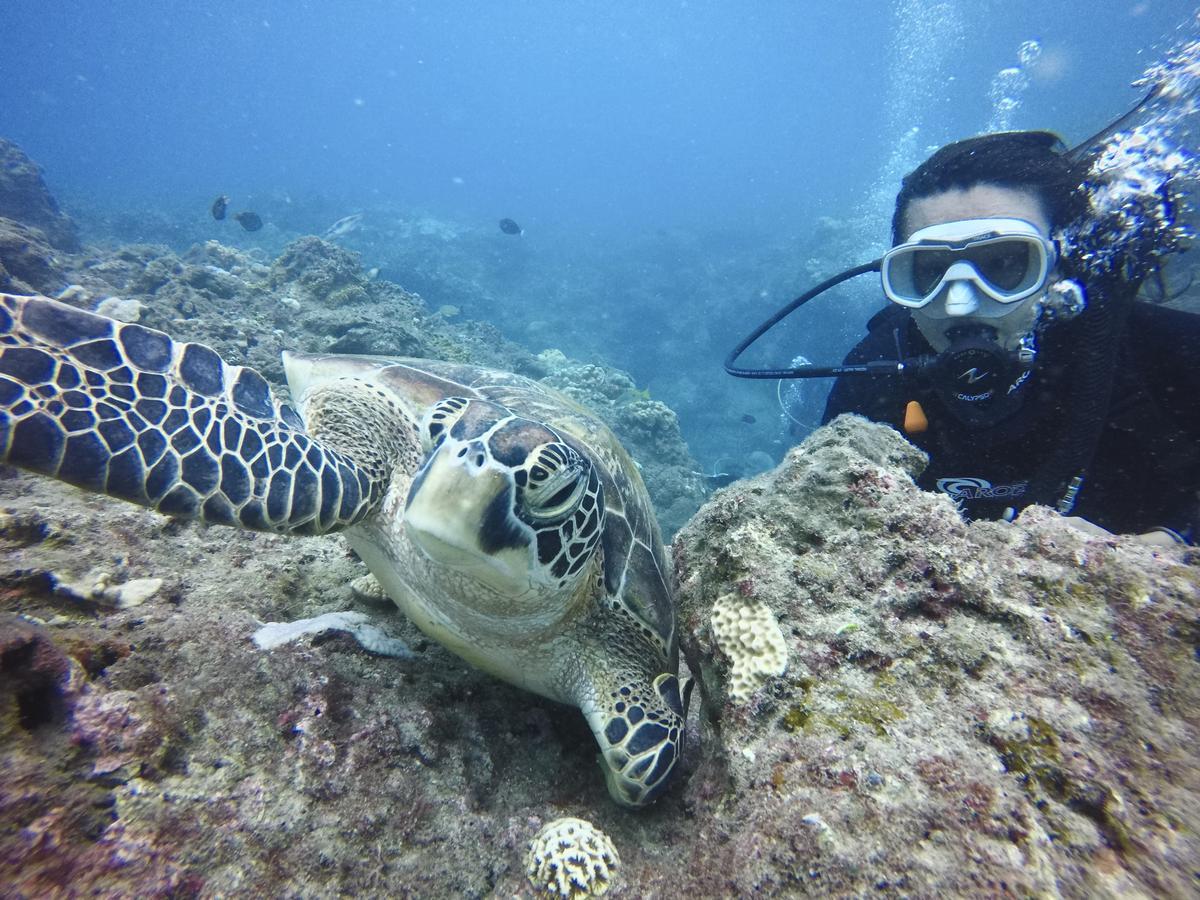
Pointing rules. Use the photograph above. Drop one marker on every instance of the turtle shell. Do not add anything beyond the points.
(634, 562)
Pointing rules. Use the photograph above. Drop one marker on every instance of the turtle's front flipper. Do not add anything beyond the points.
(639, 727)
(123, 410)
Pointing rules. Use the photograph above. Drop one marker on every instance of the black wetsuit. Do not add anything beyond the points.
(1144, 470)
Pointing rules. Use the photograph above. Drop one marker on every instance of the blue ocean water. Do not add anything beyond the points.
(679, 169)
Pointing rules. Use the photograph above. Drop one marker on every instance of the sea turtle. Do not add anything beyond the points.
(505, 520)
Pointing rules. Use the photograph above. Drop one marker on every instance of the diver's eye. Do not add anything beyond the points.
(1006, 265)
(440, 419)
(928, 267)
(552, 482)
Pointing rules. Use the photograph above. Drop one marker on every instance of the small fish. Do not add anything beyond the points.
(219, 206)
(718, 479)
(344, 225)
(749, 419)
(250, 221)
(508, 226)
(372, 273)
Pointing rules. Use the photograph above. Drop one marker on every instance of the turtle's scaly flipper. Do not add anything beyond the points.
(123, 410)
(639, 728)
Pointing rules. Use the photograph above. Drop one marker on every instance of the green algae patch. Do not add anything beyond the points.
(873, 712)
(1058, 592)
(800, 714)
(1037, 755)
(797, 717)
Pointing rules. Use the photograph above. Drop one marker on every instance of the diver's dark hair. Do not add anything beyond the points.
(1035, 161)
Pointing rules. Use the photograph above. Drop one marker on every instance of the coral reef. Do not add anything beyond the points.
(571, 858)
(969, 709)
(28, 264)
(314, 297)
(966, 709)
(894, 702)
(25, 198)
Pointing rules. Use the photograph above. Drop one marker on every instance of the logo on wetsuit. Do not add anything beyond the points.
(973, 375)
(967, 488)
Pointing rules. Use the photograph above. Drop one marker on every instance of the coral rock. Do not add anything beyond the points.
(749, 636)
(25, 197)
(571, 858)
(27, 263)
(969, 709)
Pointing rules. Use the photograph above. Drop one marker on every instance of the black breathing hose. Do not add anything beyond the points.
(1102, 326)
(877, 367)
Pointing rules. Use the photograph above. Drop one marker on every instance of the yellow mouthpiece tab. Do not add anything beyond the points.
(914, 418)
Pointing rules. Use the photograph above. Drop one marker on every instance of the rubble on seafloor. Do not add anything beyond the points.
(961, 709)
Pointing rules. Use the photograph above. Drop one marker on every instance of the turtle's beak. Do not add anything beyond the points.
(460, 515)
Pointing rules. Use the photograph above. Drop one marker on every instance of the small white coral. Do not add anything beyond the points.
(120, 308)
(273, 634)
(367, 587)
(571, 858)
(98, 587)
(747, 633)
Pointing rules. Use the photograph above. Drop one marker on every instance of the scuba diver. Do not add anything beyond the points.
(1012, 350)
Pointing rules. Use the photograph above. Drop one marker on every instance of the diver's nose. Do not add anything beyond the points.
(962, 299)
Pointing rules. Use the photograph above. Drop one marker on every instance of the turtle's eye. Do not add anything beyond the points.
(440, 419)
(552, 482)
(560, 496)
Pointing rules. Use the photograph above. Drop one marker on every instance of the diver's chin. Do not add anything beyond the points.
(936, 339)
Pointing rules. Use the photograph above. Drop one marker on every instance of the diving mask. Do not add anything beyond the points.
(1006, 259)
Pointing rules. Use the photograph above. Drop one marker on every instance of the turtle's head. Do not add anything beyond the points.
(503, 499)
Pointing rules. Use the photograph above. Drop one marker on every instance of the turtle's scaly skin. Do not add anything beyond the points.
(505, 520)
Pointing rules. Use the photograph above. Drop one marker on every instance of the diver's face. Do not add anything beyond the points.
(961, 302)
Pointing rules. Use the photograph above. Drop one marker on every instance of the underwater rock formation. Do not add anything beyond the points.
(28, 264)
(25, 198)
(961, 710)
(966, 709)
(894, 702)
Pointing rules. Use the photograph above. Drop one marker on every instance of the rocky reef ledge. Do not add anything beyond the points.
(901, 703)
(895, 704)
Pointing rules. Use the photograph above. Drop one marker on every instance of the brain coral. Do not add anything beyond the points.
(748, 634)
(571, 858)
